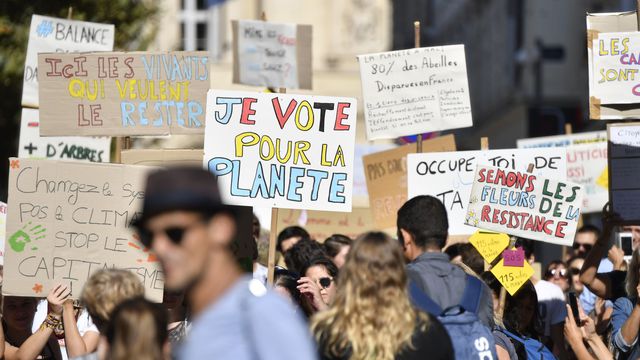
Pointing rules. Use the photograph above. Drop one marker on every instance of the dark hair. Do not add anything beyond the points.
(328, 264)
(453, 250)
(425, 218)
(471, 257)
(527, 245)
(290, 232)
(256, 227)
(556, 263)
(334, 243)
(589, 228)
(289, 281)
(299, 256)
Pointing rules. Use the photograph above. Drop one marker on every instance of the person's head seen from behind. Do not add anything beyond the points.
(422, 226)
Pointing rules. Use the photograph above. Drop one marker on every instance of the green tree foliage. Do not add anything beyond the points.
(135, 22)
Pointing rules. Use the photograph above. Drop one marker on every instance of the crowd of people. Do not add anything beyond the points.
(374, 297)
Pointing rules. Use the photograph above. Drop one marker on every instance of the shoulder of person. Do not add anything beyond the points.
(623, 304)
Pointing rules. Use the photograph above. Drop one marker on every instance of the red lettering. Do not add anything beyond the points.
(282, 119)
(560, 228)
(247, 110)
(485, 213)
(340, 115)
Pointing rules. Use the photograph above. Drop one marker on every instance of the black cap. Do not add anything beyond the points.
(180, 188)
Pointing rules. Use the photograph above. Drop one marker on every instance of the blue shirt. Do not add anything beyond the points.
(622, 309)
(587, 298)
(249, 322)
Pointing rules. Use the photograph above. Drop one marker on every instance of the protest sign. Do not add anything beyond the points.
(615, 68)
(449, 175)
(609, 107)
(48, 34)
(489, 244)
(524, 204)
(586, 163)
(122, 94)
(281, 150)
(624, 161)
(322, 224)
(386, 174)
(514, 257)
(512, 277)
(33, 146)
(162, 157)
(69, 219)
(271, 54)
(414, 91)
(360, 193)
(3, 229)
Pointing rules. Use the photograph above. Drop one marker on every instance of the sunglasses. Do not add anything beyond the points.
(587, 247)
(325, 282)
(174, 233)
(553, 272)
(575, 271)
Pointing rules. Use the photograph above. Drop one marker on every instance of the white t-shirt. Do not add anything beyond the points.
(551, 305)
(85, 324)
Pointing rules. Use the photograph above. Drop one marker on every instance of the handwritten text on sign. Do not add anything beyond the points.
(282, 150)
(272, 54)
(413, 91)
(49, 34)
(119, 94)
(512, 277)
(67, 220)
(449, 176)
(525, 205)
(616, 77)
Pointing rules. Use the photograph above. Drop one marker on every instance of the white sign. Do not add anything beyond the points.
(3, 229)
(414, 91)
(49, 34)
(616, 77)
(586, 164)
(449, 175)
(524, 204)
(281, 150)
(33, 146)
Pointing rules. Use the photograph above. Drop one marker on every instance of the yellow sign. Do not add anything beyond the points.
(603, 179)
(512, 277)
(489, 244)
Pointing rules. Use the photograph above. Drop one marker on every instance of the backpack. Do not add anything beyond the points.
(470, 338)
(534, 348)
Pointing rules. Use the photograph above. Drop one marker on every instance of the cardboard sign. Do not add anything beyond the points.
(624, 162)
(69, 219)
(512, 277)
(122, 94)
(72, 148)
(586, 163)
(525, 205)
(386, 174)
(162, 157)
(48, 34)
(3, 229)
(272, 54)
(281, 150)
(449, 175)
(489, 244)
(597, 26)
(322, 224)
(414, 91)
(615, 68)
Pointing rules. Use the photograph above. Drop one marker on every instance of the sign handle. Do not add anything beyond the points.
(416, 38)
(70, 13)
(484, 143)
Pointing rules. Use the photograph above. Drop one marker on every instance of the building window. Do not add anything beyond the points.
(194, 18)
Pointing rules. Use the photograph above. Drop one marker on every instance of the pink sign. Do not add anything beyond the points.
(513, 258)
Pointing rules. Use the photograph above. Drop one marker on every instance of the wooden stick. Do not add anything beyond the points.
(117, 158)
(568, 129)
(416, 44)
(70, 13)
(638, 13)
(484, 143)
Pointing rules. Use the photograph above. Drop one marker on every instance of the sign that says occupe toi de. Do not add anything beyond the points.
(122, 94)
(281, 150)
(616, 57)
(414, 91)
(449, 175)
(68, 219)
(48, 34)
(525, 205)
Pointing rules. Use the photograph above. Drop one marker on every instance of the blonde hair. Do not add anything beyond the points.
(107, 288)
(631, 283)
(371, 315)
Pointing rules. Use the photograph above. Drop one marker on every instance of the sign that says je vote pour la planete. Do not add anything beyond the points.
(123, 94)
(281, 150)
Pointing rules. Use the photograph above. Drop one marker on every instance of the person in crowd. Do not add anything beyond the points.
(504, 348)
(625, 320)
(289, 237)
(286, 284)
(318, 283)
(337, 247)
(470, 256)
(372, 316)
(575, 265)
(260, 272)
(578, 336)
(191, 232)
(585, 239)
(20, 342)
(298, 257)
(174, 304)
(558, 274)
(137, 330)
(602, 309)
(551, 301)
(422, 231)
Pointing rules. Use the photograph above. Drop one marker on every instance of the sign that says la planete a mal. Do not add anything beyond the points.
(49, 34)
(525, 205)
(281, 150)
(414, 91)
(123, 93)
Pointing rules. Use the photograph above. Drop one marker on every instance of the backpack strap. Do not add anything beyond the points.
(471, 295)
(511, 335)
(422, 300)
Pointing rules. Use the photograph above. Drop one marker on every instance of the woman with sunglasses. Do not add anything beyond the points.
(558, 273)
(372, 317)
(318, 283)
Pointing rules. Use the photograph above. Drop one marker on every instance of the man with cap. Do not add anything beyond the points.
(190, 230)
